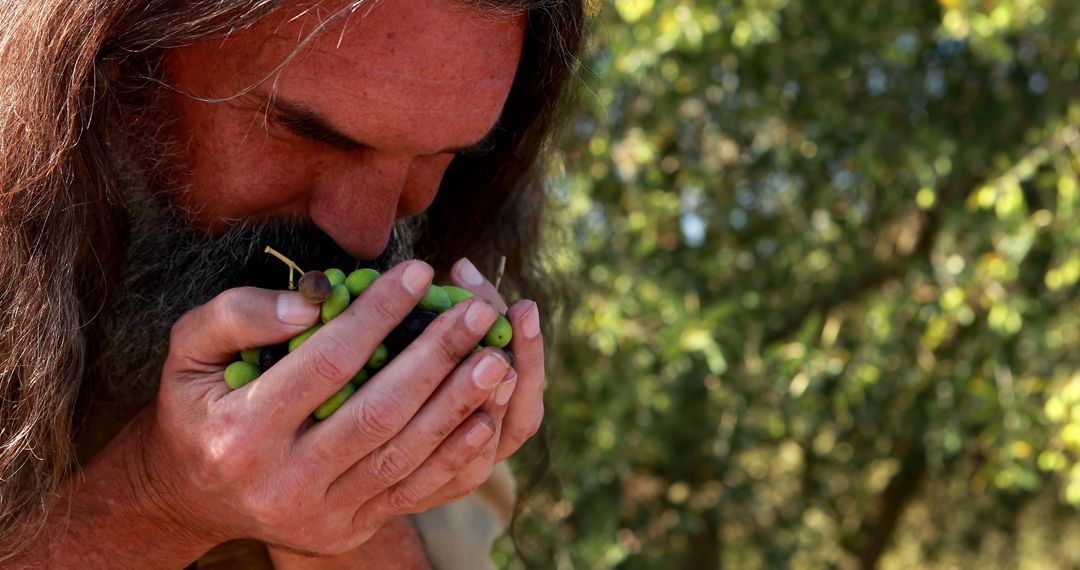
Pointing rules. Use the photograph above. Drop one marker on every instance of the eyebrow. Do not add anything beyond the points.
(308, 123)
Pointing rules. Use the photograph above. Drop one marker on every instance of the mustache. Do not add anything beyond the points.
(303, 243)
(309, 247)
(172, 267)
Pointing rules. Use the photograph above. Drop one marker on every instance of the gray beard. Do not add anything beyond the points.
(170, 267)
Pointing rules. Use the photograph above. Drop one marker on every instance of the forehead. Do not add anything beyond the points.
(393, 65)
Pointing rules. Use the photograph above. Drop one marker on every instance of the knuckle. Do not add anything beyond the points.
(377, 419)
(384, 310)
(537, 422)
(323, 362)
(392, 463)
(447, 353)
(401, 499)
(472, 481)
(459, 409)
(179, 331)
(451, 464)
(228, 309)
(222, 457)
(266, 509)
(518, 437)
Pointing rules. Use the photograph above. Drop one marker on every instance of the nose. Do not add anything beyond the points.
(356, 201)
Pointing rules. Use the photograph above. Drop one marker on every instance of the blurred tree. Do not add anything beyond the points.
(828, 257)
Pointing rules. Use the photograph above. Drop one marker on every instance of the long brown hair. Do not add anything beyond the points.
(63, 68)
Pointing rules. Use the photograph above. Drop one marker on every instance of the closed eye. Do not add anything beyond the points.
(312, 128)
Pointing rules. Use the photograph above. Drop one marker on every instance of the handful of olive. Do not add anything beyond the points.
(334, 292)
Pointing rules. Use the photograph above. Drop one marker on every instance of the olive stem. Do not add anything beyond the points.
(292, 265)
(499, 272)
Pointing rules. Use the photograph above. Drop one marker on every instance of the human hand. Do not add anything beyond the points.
(250, 463)
(517, 405)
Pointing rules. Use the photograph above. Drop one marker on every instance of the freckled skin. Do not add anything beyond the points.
(409, 79)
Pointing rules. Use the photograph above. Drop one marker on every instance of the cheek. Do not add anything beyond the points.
(422, 185)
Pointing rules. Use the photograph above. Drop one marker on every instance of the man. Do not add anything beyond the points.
(148, 151)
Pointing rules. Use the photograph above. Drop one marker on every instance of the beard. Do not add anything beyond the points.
(170, 266)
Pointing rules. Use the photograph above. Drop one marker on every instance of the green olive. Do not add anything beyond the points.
(435, 300)
(378, 358)
(457, 294)
(336, 304)
(251, 356)
(335, 275)
(358, 281)
(499, 334)
(361, 378)
(334, 402)
(299, 339)
(240, 373)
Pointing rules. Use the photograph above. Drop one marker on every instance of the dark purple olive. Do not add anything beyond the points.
(270, 355)
(510, 354)
(315, 286)
(410, 328)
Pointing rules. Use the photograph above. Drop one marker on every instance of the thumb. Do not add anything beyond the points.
(238, 319)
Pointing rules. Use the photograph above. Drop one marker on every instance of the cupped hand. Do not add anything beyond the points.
(517, 405)
(251, 463)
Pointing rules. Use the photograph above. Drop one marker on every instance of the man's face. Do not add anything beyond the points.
(355, 131)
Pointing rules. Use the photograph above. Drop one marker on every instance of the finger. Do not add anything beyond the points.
(526, 408)
(458, 450)
(290, 390)
(387, 404)
(465, 391)
(479, 469)
(238, 319)
(465, 275)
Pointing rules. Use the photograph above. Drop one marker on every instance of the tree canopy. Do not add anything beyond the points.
(826, 257)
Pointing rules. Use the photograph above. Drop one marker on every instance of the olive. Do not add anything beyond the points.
(336, 276)
(270, 355)
(336, 304)
(358, 281)
(360, 378)
(240, 373)
(408, 330)
(251, 356)
(457, 294)
(299, 339)
(435, 300)
(378, 358)
(334, 402)
(499, 334)
(315, 286)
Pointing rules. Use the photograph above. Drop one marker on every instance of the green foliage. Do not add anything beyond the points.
(828, 255)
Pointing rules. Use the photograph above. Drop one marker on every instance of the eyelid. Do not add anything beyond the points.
(296, 126)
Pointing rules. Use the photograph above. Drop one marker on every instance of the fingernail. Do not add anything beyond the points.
(504, 391)
(417, 277)
(531, 324)
(489, 371)
(479, 434)
(469, 274)
(292, 309)
(479, 317)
